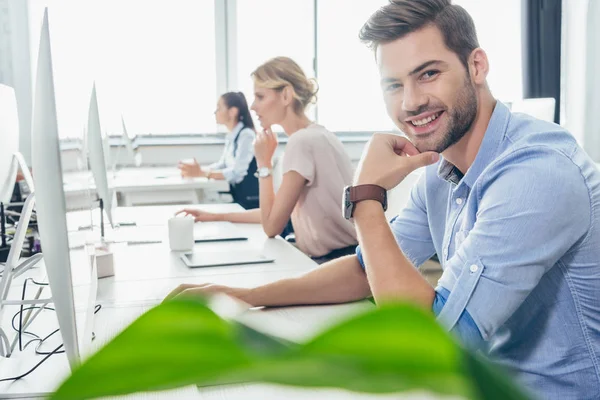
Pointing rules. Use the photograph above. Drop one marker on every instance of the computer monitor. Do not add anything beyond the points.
(9, 137)
(133, 157)
(542, 108)
(51, 207)
(96, 153)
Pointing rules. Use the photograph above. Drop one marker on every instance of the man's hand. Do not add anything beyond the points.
(265, 145)
(388, 159)
(206, 289)
(191, 170)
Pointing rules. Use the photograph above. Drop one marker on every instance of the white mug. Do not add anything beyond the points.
(181, 233)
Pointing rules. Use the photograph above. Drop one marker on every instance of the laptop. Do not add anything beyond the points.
(201, 259)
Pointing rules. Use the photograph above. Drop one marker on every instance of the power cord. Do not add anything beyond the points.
(36, 337)
(34, 368)
(57, 350)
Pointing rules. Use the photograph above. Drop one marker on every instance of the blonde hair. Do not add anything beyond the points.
(279, 72)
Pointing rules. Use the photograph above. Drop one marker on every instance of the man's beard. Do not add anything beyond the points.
(460, 119)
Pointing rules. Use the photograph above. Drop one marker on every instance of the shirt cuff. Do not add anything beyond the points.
(215, 166)
(465, 329)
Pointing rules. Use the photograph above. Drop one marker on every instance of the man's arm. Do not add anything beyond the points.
(386, 161)
(391, 276)
(338, 281)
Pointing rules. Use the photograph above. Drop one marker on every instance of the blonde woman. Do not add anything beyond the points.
(315, 167)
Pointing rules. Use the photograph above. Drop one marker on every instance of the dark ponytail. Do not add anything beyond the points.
(238, 100)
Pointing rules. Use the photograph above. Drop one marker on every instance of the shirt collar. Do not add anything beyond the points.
(487, 151)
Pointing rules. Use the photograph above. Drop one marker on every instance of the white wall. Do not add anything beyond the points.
(580, 83)
(165, 155)
(592, 102)
(573, 82)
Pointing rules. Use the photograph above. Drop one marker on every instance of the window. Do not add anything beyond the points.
(271, 28)
(153, 62)
(350, 97)
(498, 27)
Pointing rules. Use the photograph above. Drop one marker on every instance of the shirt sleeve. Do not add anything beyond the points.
(219, 165)
(412, 233)
(298, 157)
(245, 153)
(533, 207)
(465, 330)
(411, 228)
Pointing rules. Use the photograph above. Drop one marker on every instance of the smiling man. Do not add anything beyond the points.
(510, 205)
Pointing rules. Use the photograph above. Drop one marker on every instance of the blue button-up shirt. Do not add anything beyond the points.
(234, 166)
(518, 238)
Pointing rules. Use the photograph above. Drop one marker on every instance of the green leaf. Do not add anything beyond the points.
(174, 344)
(391, 349)
(394, 348)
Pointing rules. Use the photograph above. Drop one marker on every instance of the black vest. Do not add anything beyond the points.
(245, 193)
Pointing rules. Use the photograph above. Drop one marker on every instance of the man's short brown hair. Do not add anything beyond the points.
(401, 17)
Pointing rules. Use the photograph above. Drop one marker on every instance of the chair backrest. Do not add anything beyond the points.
(542, 108)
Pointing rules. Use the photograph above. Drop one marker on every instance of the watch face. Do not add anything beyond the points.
(263, 172)
(347, 205)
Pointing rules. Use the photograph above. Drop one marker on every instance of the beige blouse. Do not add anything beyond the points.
(319, 156)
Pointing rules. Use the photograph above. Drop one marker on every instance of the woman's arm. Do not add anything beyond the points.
(275, 209)
(244, 217)
(216, 175)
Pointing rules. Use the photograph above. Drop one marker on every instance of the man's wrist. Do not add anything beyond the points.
(367, 209)
(366, 181)
(249, 296)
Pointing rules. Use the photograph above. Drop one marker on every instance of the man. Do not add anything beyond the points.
(511, 209)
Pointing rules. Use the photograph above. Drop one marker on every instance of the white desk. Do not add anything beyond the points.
(165, 185)
(141, 186)
(146, 273)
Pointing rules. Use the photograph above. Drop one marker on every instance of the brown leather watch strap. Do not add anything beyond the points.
(368, 192)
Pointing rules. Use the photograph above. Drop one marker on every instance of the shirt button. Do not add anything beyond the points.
(473, 268)
(459, 201)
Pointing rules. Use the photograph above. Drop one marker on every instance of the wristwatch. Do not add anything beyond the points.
(355, 194)
(263, 172)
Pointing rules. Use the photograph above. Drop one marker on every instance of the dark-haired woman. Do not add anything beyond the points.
(237, 164)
